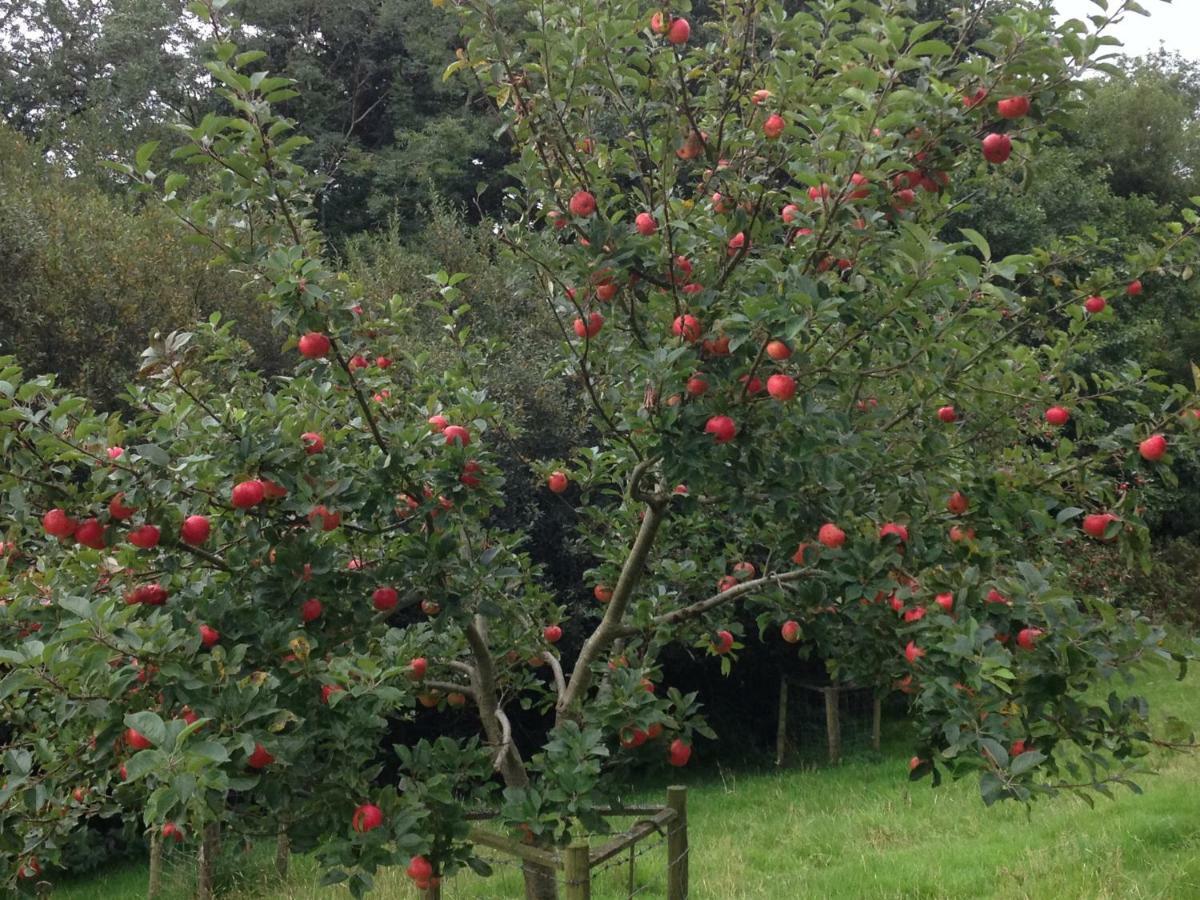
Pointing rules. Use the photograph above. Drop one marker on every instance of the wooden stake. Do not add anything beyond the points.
(577, 871)
(781, 728)
(210, 846)
(677, 844)
(833, 724)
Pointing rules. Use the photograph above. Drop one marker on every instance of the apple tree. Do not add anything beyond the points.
(810, 400)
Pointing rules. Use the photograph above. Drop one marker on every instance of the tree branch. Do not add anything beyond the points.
(700, 607)
(610, 625)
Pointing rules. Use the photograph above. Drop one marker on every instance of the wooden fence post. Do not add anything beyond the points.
(154, 882)
(577, 870)
(677, 844)
(283, 853)
(781, 729)
(877, 721)
(833, 724)
(210, 846)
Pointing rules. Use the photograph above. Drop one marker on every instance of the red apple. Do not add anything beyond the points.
(947, 414)
(997, 148)
(456, 435)
(438, 423)
(195, 530)
(696, 385)
(1153, 448)
(148, 594)
(781, 387)
(420, 871)
(1134, 289)
(778, 350)
(552, 633)
(645, 224)
(311, 610)
(1013, 107)
(313, 442)
(90, 533)
(994, 596)
(726, 582)
(679, 753)
(970, 101)
(1027, 638)
(326, 517)
(916, 614)
(582, 204)
(790, 213)
(861, 185)
(471, 471)
(146, 537)
(248, 493)
(602, 593)
(790, 631)
(1095, 304)
(736, 243)
(589, 328)
(136, 740)
(1058, 416)
(328, 690)
(417, 668)
(1096, 524)
(366, 817)
(557, 482)
(430, 607)
(687, 327)
(773, 127)
(945, 601)
(314, 345)
(117, 508)
(58, 524)
(209, 636)
(260, 758)
(894, 529)
(679, 32)
(384, 599)
(273, 491)
(172, 831)
(912, 653)
(721, 428)
(829, 535)
(114, 453)
(958, 503)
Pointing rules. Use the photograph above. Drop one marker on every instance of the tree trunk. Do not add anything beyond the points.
(540, 883)
(210, 846)
(154, 883)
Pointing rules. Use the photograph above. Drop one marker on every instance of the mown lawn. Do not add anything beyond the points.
(861, 830)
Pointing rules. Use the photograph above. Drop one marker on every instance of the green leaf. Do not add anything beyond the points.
(1024, 762)
(153, 453)
(980, 242)
(150, 725)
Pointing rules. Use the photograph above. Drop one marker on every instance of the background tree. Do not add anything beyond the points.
(208, 595)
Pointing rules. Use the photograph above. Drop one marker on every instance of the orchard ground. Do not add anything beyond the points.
(861, 830)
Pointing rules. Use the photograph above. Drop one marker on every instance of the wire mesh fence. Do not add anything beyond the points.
(821, 723)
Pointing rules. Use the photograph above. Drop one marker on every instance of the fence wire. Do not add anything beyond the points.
(605, 879)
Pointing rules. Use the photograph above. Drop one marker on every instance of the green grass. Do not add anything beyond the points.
(860, 830)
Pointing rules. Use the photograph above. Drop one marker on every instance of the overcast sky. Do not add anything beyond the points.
(1177, 25)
